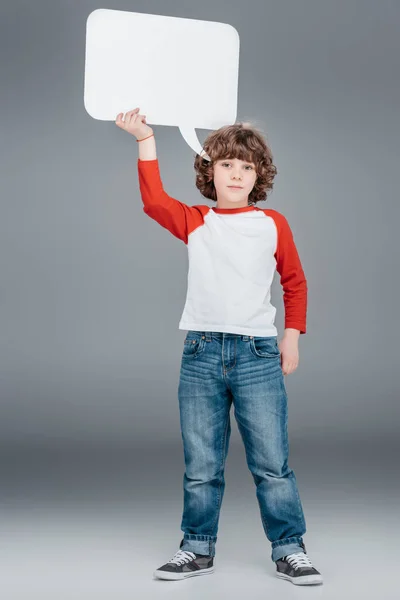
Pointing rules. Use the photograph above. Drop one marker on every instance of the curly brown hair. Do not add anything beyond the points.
(243, 141)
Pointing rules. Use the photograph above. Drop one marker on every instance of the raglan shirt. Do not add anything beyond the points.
(233, 254)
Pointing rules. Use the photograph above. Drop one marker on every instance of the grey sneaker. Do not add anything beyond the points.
(185, 564)
(298, 569)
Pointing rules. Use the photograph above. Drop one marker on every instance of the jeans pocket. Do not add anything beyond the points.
(194, 344)
(265, 347)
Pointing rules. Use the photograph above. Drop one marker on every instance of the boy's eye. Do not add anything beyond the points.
(247, 166)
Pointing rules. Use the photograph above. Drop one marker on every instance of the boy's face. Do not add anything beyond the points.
(230, 172)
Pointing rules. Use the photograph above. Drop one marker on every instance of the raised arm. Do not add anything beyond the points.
(170, 213)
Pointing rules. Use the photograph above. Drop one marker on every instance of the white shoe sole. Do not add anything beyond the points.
(305, 580)
(176, 576)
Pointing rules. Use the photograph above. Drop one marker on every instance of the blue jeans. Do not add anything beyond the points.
(216, 370)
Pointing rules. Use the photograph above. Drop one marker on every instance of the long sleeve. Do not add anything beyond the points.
(170, 213)
(293, 280)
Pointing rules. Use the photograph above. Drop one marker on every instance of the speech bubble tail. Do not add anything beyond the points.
(190, 136)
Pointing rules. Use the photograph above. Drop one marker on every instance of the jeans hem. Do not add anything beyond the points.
(199, 544)
(286, 546)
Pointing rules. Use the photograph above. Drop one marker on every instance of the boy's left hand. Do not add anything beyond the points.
(289, 348)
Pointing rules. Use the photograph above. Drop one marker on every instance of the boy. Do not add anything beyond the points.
(231, 354)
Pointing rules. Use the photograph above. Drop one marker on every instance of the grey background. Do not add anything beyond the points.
(92, 291)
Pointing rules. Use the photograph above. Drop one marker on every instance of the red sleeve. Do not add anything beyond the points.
(293, 280)
(179, 218)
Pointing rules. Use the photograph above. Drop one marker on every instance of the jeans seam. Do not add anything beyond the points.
(299, 506)
(221, 469)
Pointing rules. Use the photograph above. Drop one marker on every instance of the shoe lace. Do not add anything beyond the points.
(298, 560)
(182, 556)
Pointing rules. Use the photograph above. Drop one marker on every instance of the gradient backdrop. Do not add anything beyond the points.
(92, 291)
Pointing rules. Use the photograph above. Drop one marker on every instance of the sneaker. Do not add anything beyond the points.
(298, 569)
(185, 564)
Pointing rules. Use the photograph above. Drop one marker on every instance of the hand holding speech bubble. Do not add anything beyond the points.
(181, 72)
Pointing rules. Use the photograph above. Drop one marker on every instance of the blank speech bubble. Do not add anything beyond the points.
(180, 72)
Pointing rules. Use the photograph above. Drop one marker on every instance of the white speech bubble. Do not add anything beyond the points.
(180, 72)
